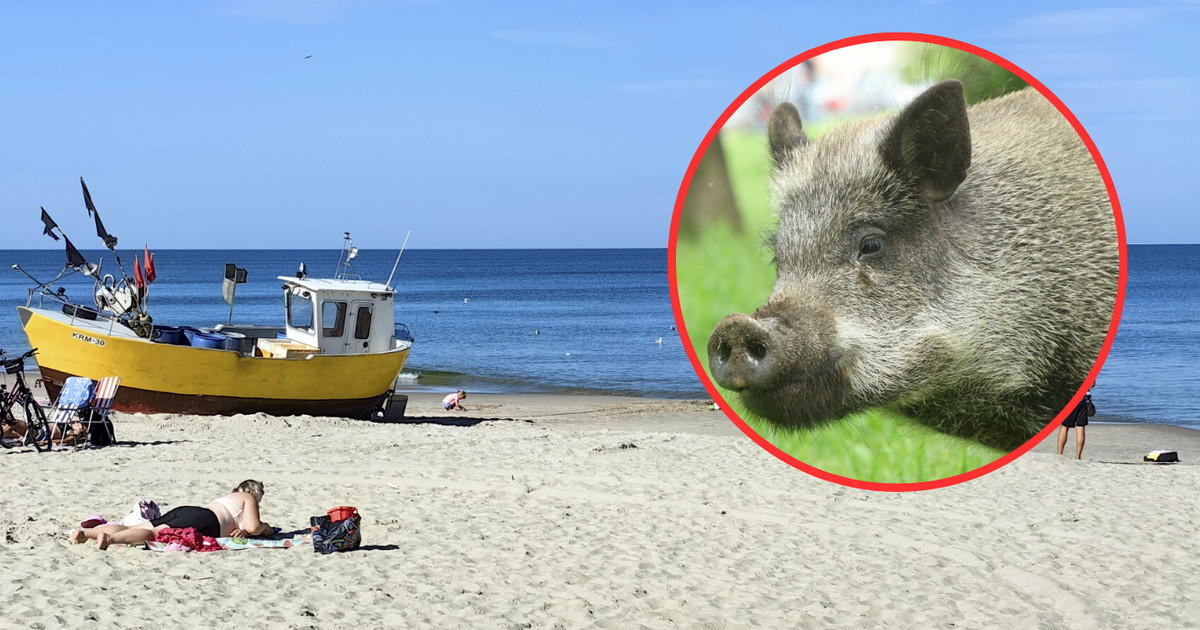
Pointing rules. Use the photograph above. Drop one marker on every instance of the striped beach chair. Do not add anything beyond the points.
(82, 403)
(97, 412)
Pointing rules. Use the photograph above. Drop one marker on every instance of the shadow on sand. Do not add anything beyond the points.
(443, 420)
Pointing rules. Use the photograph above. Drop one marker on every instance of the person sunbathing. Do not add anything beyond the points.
(235, 514)
(97, 434)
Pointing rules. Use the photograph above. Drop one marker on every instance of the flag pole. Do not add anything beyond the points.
(233, 295)
(146, 300)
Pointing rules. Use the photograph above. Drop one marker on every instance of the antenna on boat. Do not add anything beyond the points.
(351, 252)
(337, 271)
(389, 282)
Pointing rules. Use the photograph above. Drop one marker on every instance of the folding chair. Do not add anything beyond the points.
(72, 400)
(97, 411)
(79, 403)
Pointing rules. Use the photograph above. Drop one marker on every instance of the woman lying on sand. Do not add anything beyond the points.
(235, 514)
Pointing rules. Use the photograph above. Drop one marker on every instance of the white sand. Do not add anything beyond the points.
(544, 520)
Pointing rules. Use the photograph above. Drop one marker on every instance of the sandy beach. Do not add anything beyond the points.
(590, 511)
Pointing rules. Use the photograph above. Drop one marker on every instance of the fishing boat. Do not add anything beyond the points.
(337, 353)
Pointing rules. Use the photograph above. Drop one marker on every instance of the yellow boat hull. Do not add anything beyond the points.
(161, 378)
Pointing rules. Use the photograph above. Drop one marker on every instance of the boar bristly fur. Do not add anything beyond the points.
(958, 265)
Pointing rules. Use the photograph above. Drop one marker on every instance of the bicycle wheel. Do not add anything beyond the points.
(26, 425)
(38, 431)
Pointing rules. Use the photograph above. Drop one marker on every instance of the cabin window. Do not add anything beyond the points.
(333, 319)
(299, 311)
(362, 323)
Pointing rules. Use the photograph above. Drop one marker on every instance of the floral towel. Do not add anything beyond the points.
(235, 544)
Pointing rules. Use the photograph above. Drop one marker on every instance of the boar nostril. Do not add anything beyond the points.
(757, 349)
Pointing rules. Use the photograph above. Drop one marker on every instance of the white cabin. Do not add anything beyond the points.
(340, 316)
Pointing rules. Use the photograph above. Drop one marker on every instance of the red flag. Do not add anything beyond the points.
(137, 274)
(148, 262)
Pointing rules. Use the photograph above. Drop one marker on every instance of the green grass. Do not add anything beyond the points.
(719, 272)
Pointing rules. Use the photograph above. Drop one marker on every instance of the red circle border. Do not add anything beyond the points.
(712, 134)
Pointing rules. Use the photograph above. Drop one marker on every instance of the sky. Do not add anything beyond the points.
(495, 125)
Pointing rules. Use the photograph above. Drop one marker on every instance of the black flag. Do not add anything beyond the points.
(74, 258)
(87, 198)
(110, 241)
(50, 225)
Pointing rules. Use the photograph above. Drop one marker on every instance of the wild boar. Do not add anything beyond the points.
(958, 265)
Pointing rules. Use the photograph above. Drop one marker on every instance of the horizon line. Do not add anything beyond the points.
(286, 249)
(314, 249)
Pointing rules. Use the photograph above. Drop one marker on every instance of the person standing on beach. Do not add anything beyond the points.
(1078, 419)
(453, 401)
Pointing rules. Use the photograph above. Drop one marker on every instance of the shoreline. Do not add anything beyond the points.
(1111, 439)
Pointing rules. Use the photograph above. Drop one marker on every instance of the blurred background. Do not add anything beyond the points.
(724, 267)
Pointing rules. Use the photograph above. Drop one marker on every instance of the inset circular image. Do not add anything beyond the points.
(896, 260)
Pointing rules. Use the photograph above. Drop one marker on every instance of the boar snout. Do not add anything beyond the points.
(783, 363)
(742, 353)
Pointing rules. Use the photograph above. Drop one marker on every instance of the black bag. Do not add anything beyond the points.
(101, 433)
(329, 535)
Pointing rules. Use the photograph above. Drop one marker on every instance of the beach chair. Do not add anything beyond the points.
(99, 427)
(85, 404)
(72, 400)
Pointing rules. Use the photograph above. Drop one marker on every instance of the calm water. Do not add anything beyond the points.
(1153, 372)
(599, 312)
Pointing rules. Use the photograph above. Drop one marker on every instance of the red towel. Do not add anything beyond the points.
(188, 537)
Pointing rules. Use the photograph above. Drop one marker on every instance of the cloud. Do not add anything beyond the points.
(1093, 22)
(1096, 61)
(308, 12)
(666, 86)
(1151, 99)
(569, 39)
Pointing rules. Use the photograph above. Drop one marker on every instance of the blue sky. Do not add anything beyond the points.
(564, 124)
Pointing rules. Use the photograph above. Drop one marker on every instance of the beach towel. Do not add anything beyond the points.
(237, 544)
(184, 539)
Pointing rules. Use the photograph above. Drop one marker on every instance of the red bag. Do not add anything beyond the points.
(342, 513)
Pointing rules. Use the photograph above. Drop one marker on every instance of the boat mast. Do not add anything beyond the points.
(389, 282)
(337, 271)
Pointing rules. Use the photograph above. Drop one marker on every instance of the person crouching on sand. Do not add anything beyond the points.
(235, 514)
(454, 401)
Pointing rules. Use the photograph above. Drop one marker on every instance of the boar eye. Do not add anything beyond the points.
(871, 246)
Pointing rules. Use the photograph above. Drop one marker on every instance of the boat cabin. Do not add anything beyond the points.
(340, 316)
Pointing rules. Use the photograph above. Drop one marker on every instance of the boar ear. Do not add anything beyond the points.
(784, 133)
(930, 142)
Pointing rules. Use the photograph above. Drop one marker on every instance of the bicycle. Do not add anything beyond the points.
(22, 420)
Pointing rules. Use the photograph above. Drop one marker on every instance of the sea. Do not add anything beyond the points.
(488, 321)
(1152, 373)
(595, 320)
